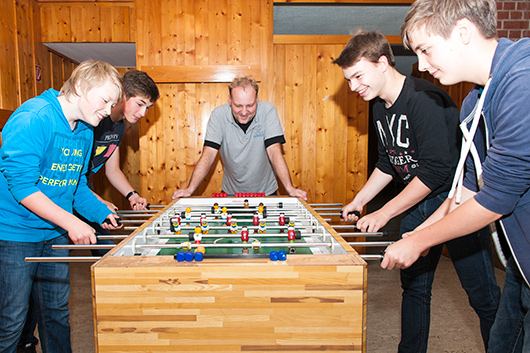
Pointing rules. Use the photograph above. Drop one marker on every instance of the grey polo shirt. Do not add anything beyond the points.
(246, 165)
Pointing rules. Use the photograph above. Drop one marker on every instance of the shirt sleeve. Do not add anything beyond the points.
(21, 156)
(506, 169)
(272, 125)
(433, 123)
(85, 202)
(212, 144)
(215, 126)
(274, 140)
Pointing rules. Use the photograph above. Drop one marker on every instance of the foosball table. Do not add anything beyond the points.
(231, 274)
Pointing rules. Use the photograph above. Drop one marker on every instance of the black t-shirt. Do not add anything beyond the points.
(419, 135)
(107, 137)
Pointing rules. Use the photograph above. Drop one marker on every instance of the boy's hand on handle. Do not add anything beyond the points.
(112, 222)
(137, 202)
(81, 233)
(350, 214)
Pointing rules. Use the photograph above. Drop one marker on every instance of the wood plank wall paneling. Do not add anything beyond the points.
(322, 123)
(26, 81)
(8, 59)
(41, 54)
(226, 36)
(77, 22)
(199, 73)
(23, 51)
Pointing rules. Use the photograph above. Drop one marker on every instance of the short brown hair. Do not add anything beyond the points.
(243, 81)
(368, 45)
(440, 17)
(92, 74)
(139, 84)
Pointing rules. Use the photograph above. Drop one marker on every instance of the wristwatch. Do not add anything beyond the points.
(130, 194)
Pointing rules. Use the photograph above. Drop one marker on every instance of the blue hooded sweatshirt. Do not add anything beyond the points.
(40, 152)
(506, 164)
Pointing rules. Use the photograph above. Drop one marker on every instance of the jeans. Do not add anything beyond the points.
(512, 320)
(472, 259)
(28, 331)
(48, 282)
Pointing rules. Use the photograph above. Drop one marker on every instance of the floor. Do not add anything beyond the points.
(454, 324)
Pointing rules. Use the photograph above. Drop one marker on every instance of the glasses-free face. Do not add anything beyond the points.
(244, 103)
(96, 103)
(440, 57)
(366, 78)
(136, 108)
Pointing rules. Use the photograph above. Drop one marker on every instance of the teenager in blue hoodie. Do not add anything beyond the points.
(457, 41)
(139, 95)
(43, 160)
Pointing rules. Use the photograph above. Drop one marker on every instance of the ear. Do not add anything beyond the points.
(383, 62)
(78, 89)
(464, 30)
(229, 99)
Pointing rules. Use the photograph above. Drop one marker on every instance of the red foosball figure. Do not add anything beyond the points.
(291, 236)
(281, 220)
(244, 235)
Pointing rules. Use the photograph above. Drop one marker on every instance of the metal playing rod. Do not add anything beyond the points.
(344, 226)
(225, 227)
(130, 228)
(63, 259)
(370, 243)
(206, 246)
(238, 235)
(83, 247)
(130, 221)
(325, 204)
(136, 211)
(135, 215)
(220, 220)
(371, 257)
(361, 234)
(112, 236)
(96, 258)
(241, 213)
(311, 204)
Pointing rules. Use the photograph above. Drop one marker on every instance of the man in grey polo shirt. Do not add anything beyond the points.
(248, 134)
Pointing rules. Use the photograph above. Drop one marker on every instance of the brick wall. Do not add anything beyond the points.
(513, 18)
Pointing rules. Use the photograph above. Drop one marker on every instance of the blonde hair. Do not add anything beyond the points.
(243, 81)
(92, 73)
(440, 17)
